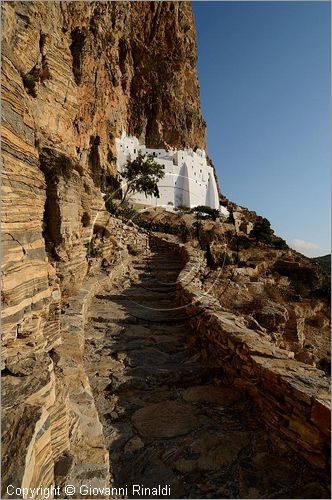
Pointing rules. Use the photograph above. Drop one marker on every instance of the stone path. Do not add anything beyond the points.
(167, 417)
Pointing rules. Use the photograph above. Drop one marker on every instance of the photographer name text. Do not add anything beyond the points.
(70, 490)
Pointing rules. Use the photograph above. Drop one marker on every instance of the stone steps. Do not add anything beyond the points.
(166, 415)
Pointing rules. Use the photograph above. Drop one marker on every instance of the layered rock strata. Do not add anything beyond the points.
(75, 74)
(51, 429)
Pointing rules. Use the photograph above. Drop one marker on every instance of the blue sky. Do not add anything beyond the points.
(264, 74)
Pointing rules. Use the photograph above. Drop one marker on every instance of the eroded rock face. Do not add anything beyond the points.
(84, 72)
(75, 75)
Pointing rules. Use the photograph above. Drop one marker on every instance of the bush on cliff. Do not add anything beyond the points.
(206, 211)
(111, 207)
(142, 176)
(183, 209)
(262, 231)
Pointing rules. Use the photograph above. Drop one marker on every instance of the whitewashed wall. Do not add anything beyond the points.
(189, 180)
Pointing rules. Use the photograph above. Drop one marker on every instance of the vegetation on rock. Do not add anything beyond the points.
(213, 213)
(142, 176)
(262, 231)
(183, 209)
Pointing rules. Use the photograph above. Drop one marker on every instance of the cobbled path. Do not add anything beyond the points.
(168, 418)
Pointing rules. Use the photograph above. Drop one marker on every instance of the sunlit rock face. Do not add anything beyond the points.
(75, 74)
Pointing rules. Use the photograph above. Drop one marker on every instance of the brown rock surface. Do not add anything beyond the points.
(75, 75)
(211, 394)
(164, 419)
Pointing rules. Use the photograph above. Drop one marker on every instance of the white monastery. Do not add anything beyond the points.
(188, 180)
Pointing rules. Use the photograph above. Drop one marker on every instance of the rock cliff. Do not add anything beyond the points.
(75, 74)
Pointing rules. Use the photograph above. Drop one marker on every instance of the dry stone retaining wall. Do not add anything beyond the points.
(127, 234)
(293, 397)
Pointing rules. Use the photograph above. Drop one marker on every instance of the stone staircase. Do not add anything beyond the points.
(168, 419)
(293, 336)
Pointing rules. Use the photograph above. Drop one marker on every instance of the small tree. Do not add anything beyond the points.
(142, 176)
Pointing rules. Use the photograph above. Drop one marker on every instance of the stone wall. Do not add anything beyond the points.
(127, 234)
(293, 397)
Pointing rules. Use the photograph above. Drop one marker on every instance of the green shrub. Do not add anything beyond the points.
(210, 233)
(183, 209)
(262, 230)
(243, 242)
(279, 242)
(183, 231)
(127, 213)
(163, 227)
(111, 207)
(212, 213)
